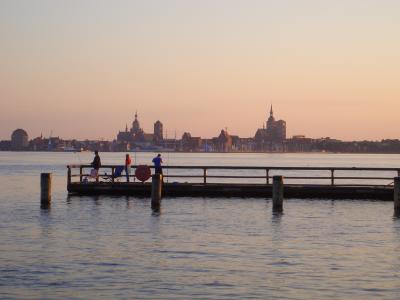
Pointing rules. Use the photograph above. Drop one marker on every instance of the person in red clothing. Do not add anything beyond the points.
(128, 163)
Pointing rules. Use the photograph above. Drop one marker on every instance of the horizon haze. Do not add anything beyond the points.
(81, 69)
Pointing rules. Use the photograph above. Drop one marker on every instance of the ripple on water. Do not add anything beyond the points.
(114, 247)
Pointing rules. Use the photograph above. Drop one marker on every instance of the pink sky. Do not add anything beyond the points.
(82, 69)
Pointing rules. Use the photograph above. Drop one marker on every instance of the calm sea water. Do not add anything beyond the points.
(196, 248)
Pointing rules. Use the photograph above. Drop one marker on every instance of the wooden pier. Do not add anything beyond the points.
(235, 181)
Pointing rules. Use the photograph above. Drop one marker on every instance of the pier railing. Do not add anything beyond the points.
(333, 176)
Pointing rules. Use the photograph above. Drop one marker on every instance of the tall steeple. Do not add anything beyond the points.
(271, 118)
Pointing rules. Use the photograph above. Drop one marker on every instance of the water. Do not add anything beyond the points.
(116, 248)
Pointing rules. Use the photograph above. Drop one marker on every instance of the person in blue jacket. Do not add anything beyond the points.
(157, 161)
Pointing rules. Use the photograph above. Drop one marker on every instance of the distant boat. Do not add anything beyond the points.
(71, 149)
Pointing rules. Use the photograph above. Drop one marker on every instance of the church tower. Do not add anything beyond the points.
(158, 132)
(135, 125)
(271, 119)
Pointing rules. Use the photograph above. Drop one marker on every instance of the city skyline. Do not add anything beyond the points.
(82, 69)
(178, 133)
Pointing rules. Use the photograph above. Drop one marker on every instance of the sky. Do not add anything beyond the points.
(81, 69)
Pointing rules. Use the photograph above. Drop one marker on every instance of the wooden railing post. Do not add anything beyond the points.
(267, 175)
(112, 174)
(332, 177)
(80, 174)
(204, 175)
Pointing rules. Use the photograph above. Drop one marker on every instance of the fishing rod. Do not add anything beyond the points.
(168, 166)
(79, 157)
(135, 162)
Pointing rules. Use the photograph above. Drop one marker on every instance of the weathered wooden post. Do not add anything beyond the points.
(204, 175)
(396, 196)
(69, 176)
(277, 193)
(80, 174)
(45, 189)
(156, 190)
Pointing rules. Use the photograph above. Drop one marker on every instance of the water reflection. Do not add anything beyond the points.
(156, 208)
(45, 222)
(396, 219)
(69, 198)
(277, 216)
(128, 202)
(100, 247)
(396, 214)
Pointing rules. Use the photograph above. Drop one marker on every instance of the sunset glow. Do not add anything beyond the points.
(82, 68)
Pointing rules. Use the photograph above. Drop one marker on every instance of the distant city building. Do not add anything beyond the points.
(39, 144)
(242, 144)
(158, 133)
(272, 137)
(223, 143)
(136, 138)
(134, 135)
(299, 143)
(19, 140)
(189, 143)
(207, 145)
(5, 145)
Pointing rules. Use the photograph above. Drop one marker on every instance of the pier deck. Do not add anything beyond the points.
(234, 190)
(347, 185)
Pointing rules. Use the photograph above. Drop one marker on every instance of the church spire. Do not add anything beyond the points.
(136, 115)
(271, 118)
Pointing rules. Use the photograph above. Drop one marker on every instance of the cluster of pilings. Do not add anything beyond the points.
(157, 185)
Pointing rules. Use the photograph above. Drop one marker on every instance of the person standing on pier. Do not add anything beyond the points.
(128, 163)
(96, 164)
(157, 161)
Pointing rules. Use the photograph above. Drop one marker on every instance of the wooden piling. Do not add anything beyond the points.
(69, 176)
(80, 173)
(156, 191)
(396, 196)
(45, 189)
(277, 193)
